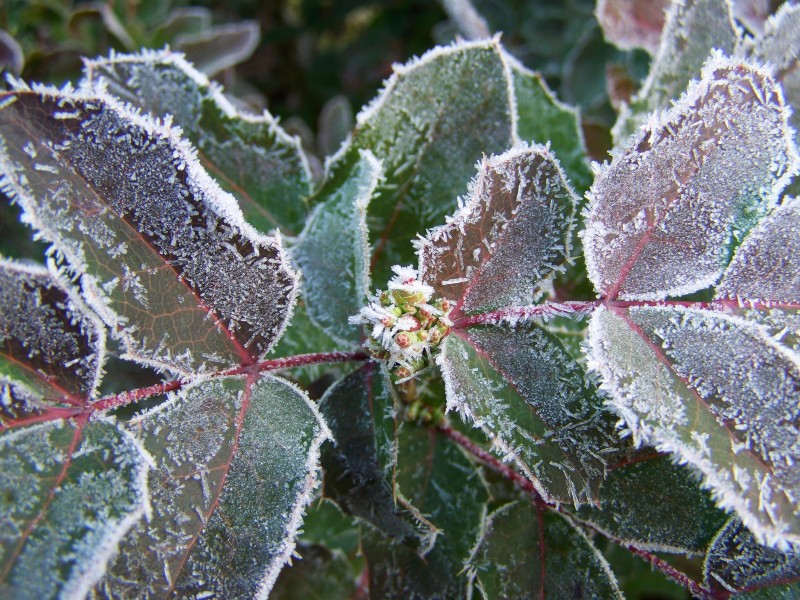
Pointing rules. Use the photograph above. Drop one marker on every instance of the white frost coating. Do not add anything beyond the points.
(661, 215)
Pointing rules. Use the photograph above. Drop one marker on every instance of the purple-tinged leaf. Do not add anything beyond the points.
(530, 552)
(69, 490)
(51, 347)
(510, 236)
(536, 405)
(735, 562)
(663, 215)
(236, 461)
(164, 254)
(630, 24)
(718, 391)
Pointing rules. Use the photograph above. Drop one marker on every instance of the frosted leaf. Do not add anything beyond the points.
(754, 13)
(535, 404)
(434, 118)
(511, 235)
(166, 257)
(780, 46)
(693, 29)
(333, 251)
(649, 501)
(221, 47)
(51, 347)
(250, 156)
(663, 215)
(735, 562)
(720, 393)
(236, 462)
(360, 412)
(630, 24)
(69, 490)
(525, 552)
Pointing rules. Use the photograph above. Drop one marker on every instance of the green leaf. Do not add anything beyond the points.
(527, 552)
(650, 502)
(693, 29)
(737, 563)
(630, 24)
(69, 490)
(221, 47)
(236, 461)
(665, 213)
(435, 117)
(535, 403)
(317, 574)
(250, 156)
(333, 251)
(164, 254)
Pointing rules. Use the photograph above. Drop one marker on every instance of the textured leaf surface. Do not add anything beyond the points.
(649, 501)
(692, 30)
(434, 118)
(333, 252)
(737, 563)
(69, 490)
(250, 156)
(167, 258)
(236, 460)
(510, 236)
(663, 214)
(535, 403)
(719, 391)
(530, 553)
(630, 24)
(51, 348)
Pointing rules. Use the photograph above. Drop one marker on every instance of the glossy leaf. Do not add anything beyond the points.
(535, 404)
(434, 118)
(333, 252)
(69, 490)
(692, 30)
(250, 156)
(737, 563)
(166, 257)
(526, 552)
(663, 215)
(630, 24)
(511, 234)
(236, 462)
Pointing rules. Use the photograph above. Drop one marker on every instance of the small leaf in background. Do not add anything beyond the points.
(663, 215)
(250, 156)
(434, 118)
(754, 13)
(630, 24)
(166, 257)
(69, 490)
(11, 57)
(527, 552)
(236, 462)
(333, 251)
(735, 562)
(511, 234)
(221, 47)
(693, 29)
(650, 502)
(335, 124)
(318, 573)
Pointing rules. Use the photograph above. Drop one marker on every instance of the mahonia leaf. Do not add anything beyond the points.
(662, 215)
(333, 251)
(52, 348)
(69, 490)
(434, 118)
(236, 462)
(250, 156)
(527, 552)
(535, 403)
(737, 563)
(221, 47)
(359, 471)
(693, 29)
(511, 234)
(630, 24)
(650, 502)
(165, 255)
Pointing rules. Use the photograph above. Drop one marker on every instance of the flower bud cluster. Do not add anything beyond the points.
(404, 324)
